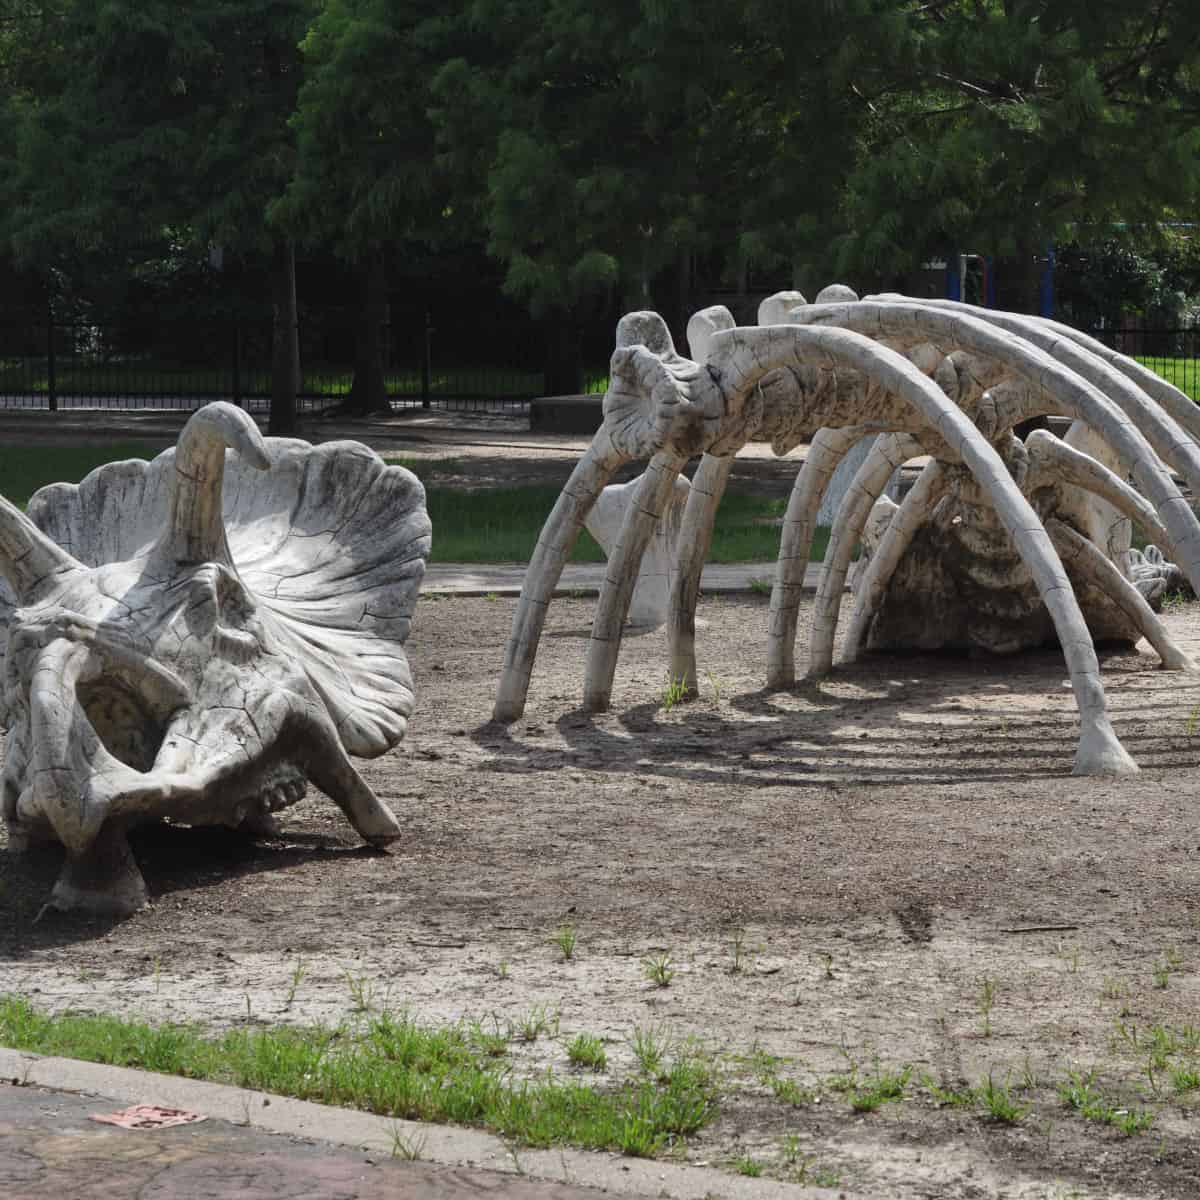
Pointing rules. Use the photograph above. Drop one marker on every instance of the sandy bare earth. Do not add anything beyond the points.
(878, 853)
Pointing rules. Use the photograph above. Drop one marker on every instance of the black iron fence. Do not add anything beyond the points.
(425, 363)
(1173, 353)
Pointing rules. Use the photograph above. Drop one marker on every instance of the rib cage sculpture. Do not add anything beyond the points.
(196, 637)
(942, 379)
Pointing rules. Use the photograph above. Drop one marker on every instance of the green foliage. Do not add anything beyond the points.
(587, 1050)
(394, 1066)
(1004, 125)
(195, 102)
(603, 152)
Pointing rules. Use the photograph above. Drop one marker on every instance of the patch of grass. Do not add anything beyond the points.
(408, 1149)
(501, 525)
(788, 1091)
(946, 1095)
(737, 952)
(297, 978)
(987, 1001)
(998, 1102)
(649, 1048)
(362, 992)
(491, 1042)
(539, 1020)
(1079, 1092)
(486, 525)
(659, 970)
(883, 1086)
(394, 1066)
(676, 692)
(566, 939)
(587, 1050)
(745, 1165)
(24, 469)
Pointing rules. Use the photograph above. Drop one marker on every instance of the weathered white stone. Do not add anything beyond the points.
(1014, 542)
(197, 637)
(651, 600)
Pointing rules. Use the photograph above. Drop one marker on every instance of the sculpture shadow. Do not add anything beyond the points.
(894, 719)
(172, 858)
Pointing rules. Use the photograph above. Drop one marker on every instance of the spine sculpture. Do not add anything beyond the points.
(197, 637)
(1040, 527)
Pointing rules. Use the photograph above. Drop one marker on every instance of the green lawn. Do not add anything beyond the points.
(1184, 373)
(502, 526)
(24, 469)
(489, 526)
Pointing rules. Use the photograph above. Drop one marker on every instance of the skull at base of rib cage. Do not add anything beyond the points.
(1006, 544)
(961, 586)
(195, 638)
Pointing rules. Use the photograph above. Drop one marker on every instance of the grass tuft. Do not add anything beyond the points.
(395, 1066)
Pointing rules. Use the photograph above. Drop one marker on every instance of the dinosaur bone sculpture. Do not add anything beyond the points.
(196, 637)
(939, 379)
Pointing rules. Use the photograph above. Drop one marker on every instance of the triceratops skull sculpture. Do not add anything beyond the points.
(193, 640)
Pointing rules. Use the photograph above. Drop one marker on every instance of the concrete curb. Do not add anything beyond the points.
(442, 1145)
(585, 579)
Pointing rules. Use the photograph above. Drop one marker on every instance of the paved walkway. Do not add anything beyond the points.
(50, 1149)
(256, 1146)
(499, 579)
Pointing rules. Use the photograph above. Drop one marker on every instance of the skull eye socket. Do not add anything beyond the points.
(123, 721)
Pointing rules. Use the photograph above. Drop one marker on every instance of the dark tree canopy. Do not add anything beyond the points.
(597, 151)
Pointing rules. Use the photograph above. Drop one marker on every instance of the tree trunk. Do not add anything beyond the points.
(368, 392)
(562, 357)
(285, 342)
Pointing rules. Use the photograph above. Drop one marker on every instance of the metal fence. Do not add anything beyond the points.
(1172, 353)
(64, 366)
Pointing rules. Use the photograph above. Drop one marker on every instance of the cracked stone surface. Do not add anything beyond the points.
(197, 637)
(1003, 544)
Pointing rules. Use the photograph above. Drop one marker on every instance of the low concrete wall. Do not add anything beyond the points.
(566, 414)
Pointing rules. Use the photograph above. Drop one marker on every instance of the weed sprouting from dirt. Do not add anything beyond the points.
(297, 978)
(362, 992)
(407, 1148)
(650, 1047)
(566, 940)
(659, 969)
(587, 1050)
(998, 1102)
(987, 1001)
(1080, 1093)
(538, 1021)
(737, 952)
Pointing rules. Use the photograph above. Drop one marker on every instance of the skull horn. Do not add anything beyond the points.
(195, 526)
(28, 558)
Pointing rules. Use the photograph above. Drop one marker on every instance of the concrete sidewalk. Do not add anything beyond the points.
(256, 1146)
(501, 579)
(50, 1149)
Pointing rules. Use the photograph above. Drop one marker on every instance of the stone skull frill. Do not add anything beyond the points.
(196, 637)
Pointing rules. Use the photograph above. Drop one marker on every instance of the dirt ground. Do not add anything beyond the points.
(891, 868)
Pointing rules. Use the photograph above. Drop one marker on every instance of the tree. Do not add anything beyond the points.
(159, 116)
(366, 175)
(1000, 124)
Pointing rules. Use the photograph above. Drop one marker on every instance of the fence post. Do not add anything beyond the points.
(237, 364)
(51, 380)
(426, 355)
